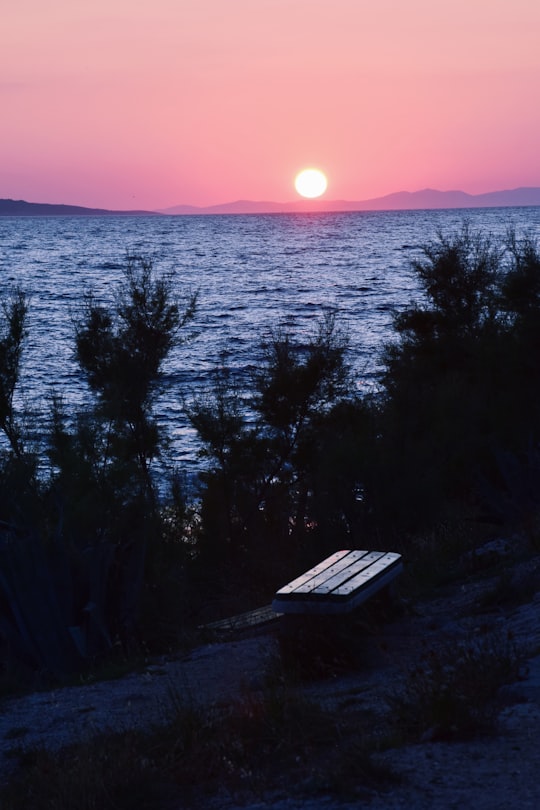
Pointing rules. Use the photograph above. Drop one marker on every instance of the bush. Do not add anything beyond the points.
(461, 383)
(451, 693)
(261, 744)
(75, 539)
(258, 498)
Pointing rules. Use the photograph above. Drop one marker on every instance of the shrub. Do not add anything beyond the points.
(12, 335)
(451, 693)
(258, 493)
(103, 474)
(461, 382)
(261, 744)
(75, 539)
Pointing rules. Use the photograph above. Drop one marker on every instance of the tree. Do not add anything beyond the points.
(257, 494)
(18, 461)
(460, 274)
(12, 335)
(103, 479)
(462, 381)
(121, 352)
(520, 287)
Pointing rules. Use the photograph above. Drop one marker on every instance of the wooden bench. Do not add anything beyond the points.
(338, 584)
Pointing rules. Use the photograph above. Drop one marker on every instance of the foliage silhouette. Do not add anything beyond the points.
(74, 570)
(297, 464)
(461, 383)
(14, 312)
(257, 497)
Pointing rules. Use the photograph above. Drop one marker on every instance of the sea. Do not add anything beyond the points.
(255, 276)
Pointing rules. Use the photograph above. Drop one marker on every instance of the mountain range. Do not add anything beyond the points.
(401, 200)
(21, 208)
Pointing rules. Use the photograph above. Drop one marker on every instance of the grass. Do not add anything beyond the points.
(436, 557)
(274, 742)
(451, 693)
(270, 741)
(512, 588)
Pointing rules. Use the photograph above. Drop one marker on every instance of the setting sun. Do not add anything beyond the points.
(310, 183)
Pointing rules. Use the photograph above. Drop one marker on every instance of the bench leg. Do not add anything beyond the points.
(317, 645)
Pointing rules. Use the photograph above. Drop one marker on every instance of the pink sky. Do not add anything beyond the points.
(153, 103)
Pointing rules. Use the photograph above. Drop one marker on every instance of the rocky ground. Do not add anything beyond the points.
(495, 771)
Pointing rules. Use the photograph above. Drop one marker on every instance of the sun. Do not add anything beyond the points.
(310, 183)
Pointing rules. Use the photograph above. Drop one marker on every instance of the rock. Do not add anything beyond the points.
(490, 554)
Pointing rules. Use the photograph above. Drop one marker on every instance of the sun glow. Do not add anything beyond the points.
(310, 183)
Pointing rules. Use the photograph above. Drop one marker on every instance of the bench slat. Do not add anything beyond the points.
(340, 583)
(319, 573)
(343, 578)
(380, 566)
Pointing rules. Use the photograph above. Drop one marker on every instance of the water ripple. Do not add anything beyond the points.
(254, 274)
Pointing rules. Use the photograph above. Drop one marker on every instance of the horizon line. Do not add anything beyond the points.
(427, 198)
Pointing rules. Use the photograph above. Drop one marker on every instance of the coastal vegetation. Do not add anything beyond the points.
(100, 559)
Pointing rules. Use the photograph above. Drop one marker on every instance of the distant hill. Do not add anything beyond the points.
(21, 208)
(401, 200)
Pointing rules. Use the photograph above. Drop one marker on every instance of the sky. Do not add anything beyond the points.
(127, 104)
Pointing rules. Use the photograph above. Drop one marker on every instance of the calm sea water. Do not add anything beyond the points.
(253, 274)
